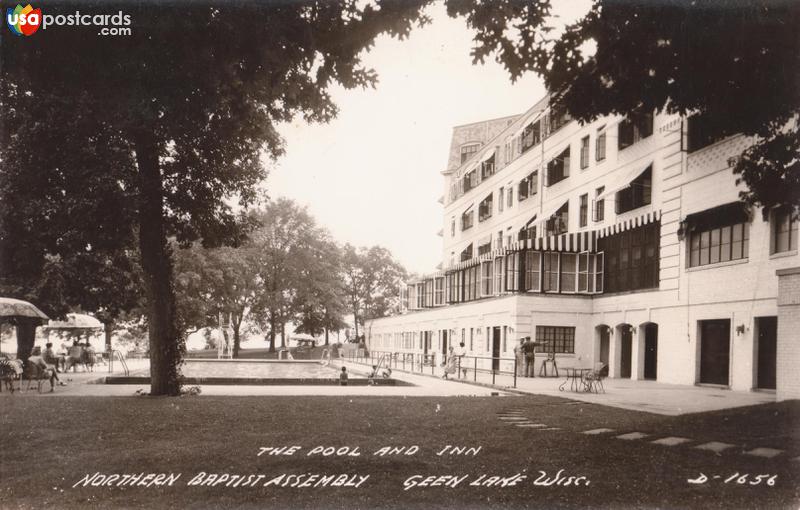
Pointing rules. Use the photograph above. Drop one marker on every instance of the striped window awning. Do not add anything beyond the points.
(623, 181)
(547, 214)
(638, 221)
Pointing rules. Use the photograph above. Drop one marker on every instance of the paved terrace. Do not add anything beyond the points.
(647, 396)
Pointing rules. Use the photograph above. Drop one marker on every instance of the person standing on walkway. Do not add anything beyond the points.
(519, 355)
(530, 357)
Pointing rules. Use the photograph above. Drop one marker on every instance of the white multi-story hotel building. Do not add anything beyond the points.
(621, 240)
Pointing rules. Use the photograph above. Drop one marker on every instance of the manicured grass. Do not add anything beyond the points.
(50, 444)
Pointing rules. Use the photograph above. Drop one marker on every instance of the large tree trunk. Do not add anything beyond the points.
(236, 337)
(166, 344)
(283, 334)
(326, 336)
(26, 336)
(271, 334)
(108, 328)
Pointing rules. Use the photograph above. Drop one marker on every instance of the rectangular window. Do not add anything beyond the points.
(556, 339)
(598, 269)
(558, 168)
(486, 279)
(638, 194)
(512, 272)
(631, 260)
(702, 131)
(568, 272)
(550, 272)
(468, 150)
(559, 223)
(584, 270)
(453, 226)
(467, 220)
(499, 275)
(584, 152)
(584, 210)
(599, 205)
(634, 128)
(558, 118)
(600, 144)
(438, 292)
(510, 197)
(533, 271)
(720, 244)
(501, 198)
(487, 168)
(522, 193)
(784, 231)
(485, 208)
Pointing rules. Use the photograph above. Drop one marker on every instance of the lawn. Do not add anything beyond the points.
(50, 444)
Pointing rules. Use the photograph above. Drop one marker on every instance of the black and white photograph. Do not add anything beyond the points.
(400, 254)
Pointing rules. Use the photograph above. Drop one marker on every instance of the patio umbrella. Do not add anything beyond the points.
(76, 321)
(301, 336)
(10, 307)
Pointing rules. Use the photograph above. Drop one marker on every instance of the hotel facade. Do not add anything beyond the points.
(620, 241)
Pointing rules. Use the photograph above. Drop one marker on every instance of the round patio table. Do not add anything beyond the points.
(575, 378)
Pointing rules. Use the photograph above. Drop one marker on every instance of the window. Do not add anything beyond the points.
(558, 118)
(467, 253)
(559, 222)
(584, 152)
(485, 248)
(638, 194)
(568, 272)
(631, 259)
(531, 135)
(501, 198)
(499, 241)
(487, 168)
(510, 197)
(528, 186)
(600, 144)
(584, 210)
(599, 205)
(485, 208)
(590, 265)
(784, 231)
(634, 128)
(470, 180)
(702, 131)
(499, 275)
(512, 271)
(453, 226)
(487, 276)
(468, 150)
(438, 291)
(467, 220)
(524, 186)
(550, 272)
(556, 339)
(719, 244)
(558, 168)
(533, 271)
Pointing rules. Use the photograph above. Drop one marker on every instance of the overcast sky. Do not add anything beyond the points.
(372, 175)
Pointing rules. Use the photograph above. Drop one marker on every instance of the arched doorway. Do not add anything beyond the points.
(650, 350)
(603, 335)
(625, 335)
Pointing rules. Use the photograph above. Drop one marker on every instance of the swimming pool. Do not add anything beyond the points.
(255, 372)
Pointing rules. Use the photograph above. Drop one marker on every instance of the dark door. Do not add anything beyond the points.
(767, 351)
(424, 338)
(496, 348)
(625, 358)
(604, 345)
(715, 340)
(444, 342)
(651, 351)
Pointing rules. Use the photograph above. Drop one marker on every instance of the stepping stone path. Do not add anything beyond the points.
(595, 432)
(631, 436)
(532, 425)
(714, 446)
(764, 452)
(515, 417)
(671, 441)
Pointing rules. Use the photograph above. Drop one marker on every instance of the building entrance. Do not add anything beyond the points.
(767, 353)
(651, 351)
(496, 348)
(715, 342)
(626, 345)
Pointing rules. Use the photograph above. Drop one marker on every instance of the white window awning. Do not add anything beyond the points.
(487, 155)
(623, 180)
(468, 209)
(548, 213)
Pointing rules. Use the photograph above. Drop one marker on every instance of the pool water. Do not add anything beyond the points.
(260, 369)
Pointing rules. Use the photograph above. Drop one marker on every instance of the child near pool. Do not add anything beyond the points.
(343, 377)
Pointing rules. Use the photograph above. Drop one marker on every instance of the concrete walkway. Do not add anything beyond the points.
(647, 396)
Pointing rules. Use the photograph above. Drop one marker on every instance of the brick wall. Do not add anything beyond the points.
(788, 380)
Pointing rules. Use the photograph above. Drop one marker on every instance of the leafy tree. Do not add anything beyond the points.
(372, 278)
(735, 62)
(188, 105)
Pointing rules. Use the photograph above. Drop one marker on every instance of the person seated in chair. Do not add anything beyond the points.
(74, 356)
(52, 358)
(89, 356)
(37, 361)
